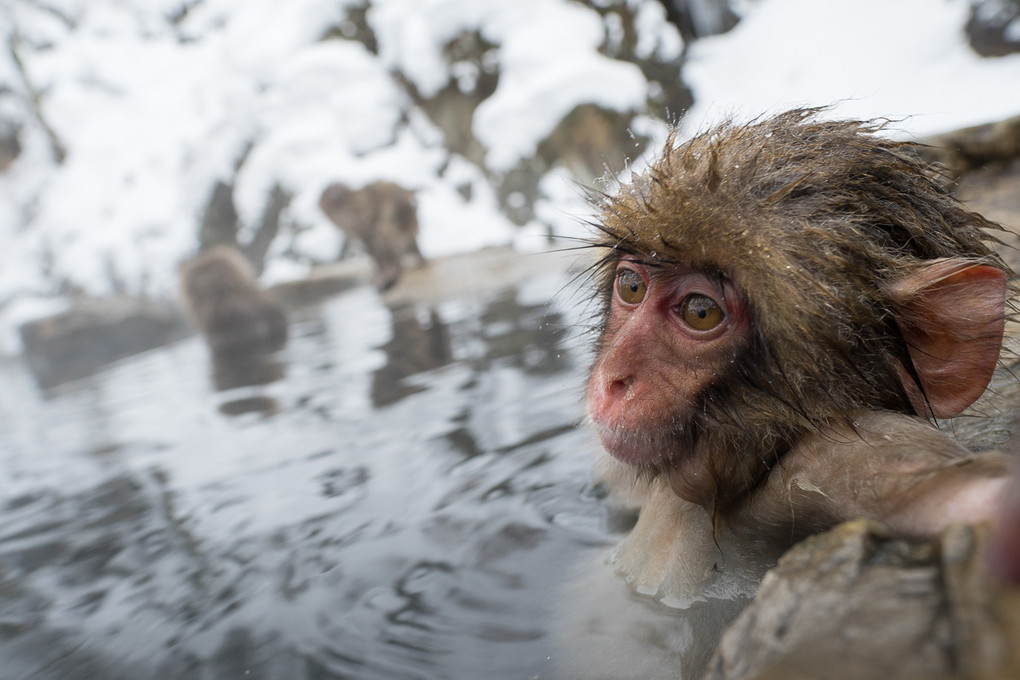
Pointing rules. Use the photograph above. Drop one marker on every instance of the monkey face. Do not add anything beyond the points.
(670, 334)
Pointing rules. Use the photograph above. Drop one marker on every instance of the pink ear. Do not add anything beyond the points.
(952, 315)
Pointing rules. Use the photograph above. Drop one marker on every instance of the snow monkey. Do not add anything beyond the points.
(224, 298)
(384, 217)
(788, 306)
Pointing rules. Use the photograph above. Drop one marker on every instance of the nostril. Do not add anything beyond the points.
(620, 389)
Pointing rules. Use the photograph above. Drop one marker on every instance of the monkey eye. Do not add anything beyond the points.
(630, 286)
(701, 312)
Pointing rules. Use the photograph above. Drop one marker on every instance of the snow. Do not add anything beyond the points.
(906, 60)
(156, 104)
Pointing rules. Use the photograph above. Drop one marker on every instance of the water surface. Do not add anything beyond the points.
(401, 499)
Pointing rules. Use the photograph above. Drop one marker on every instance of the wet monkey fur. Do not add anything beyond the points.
(788, 309)
(771, 287)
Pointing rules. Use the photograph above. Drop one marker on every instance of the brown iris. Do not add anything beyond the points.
(630, 286)
(701, 312)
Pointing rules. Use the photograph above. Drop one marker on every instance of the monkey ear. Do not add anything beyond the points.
(952, 314)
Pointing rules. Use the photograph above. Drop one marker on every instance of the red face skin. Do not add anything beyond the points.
(669, 335)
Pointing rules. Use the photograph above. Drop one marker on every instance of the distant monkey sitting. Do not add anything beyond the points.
(384, 217)
(227, 304)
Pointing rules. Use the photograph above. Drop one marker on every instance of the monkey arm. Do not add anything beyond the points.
(889, 467)
(970, 491)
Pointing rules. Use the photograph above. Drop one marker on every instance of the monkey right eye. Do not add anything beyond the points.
(630, 286)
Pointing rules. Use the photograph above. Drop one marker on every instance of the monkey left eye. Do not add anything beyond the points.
(701, 312)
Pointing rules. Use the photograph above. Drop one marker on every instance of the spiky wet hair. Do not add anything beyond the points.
(810, 219)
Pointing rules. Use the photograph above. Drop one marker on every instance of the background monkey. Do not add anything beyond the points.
(227, 304)
(383, 216)
(786, 306)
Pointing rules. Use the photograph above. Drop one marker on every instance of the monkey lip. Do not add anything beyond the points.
(629, 447)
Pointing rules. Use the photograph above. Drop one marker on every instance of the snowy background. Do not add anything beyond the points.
(128, 113)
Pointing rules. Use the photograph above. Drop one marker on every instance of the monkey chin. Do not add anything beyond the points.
(650, 451)
(658, 452)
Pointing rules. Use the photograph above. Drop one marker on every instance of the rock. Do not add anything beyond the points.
(993, 28)
(973, 147)
(994, 191)
(855, 603)
(79, 342)
(985, 162)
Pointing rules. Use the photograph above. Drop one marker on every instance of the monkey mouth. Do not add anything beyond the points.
(645, 449)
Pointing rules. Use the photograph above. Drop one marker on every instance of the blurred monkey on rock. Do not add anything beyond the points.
(384, 217)
(788, 307)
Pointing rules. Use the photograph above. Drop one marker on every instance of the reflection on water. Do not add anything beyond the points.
(249, 366)
(417, 345)
(400, 502)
